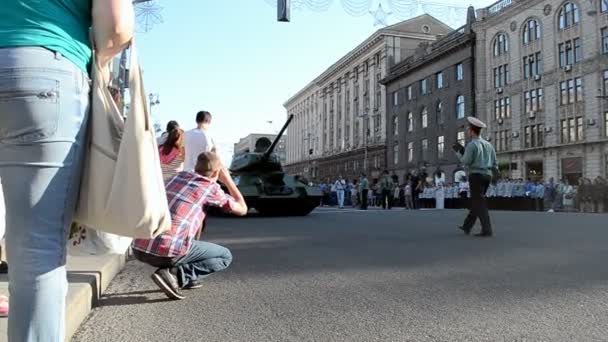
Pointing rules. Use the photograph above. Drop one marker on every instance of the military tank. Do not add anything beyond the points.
(266, 187)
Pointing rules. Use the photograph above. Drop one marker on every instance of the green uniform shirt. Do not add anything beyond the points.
(58, 25)
(479, 157)
(364, 185)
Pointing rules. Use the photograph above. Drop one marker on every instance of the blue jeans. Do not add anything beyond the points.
(44, 101)
(202, 259)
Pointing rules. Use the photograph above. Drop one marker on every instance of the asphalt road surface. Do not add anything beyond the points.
(379, 276)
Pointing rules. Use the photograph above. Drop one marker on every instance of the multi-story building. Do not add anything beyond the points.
(339, 126)
(542, 79)
(247, 144)
(429, 96)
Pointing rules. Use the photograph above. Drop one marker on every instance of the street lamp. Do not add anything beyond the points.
(153, 102)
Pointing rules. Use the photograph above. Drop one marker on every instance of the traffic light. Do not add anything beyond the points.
(283, 10)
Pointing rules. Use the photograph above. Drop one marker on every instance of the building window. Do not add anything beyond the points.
(410, 122)
(423, 88)
(460, 138)
(410, 151)
(502, 108)
(532, 65)
(396, 126)
(396, 98)
(604, 5)
(439, 77)
(501, 76)
(440, 146)
(439, 117)
(396, 154)
(424, 117)
(568, 15)
(459, 72)
(533, 136)
(460, 107)
(606, 124)
(572, 130)
(409, 93)
(533, 100)
(531, 31)
(605, 40)
(570, 52)
(605, 82)
(501, 45)
(571, 91)
(425, 149)
(502, 140)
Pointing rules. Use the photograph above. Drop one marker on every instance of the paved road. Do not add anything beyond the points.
(379, 276)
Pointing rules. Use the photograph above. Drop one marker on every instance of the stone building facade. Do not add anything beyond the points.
(429, 96)
(247, 144)
(339, 125)
(542, 79)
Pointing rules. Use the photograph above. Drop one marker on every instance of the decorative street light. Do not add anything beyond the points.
(153, 102)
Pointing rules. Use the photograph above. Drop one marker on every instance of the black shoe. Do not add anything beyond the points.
(483, 235)
(466, 231)
(167, 282)
(193, 285)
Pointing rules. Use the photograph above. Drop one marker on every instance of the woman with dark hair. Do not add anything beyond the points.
(172, 154)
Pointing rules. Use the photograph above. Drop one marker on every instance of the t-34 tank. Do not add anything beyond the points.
(266, 187)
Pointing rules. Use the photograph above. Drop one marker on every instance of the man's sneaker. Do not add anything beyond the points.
(193, 285)
(167, 283)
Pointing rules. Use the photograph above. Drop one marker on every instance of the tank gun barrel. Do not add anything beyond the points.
(276, 140)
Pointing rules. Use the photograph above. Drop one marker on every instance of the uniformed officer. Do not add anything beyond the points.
(480, 160)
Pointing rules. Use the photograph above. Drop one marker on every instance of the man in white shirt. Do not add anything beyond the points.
(198, 140)
(340, 186)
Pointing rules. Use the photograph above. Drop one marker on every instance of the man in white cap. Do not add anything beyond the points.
(479, 158)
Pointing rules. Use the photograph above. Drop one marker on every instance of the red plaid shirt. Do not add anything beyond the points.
(186, 193)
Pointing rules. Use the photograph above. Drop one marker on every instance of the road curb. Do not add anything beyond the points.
(88, 278)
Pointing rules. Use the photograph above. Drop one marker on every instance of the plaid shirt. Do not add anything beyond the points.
(186, 193)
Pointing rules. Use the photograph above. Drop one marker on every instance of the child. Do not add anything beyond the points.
(181, 260)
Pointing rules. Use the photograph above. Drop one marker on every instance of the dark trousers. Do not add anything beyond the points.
(202, 259)
(364, 199)
(416, 199)
(479, 208)
(464, 199)
(387, 199)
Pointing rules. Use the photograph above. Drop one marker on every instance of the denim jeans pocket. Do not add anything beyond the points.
(29, 108)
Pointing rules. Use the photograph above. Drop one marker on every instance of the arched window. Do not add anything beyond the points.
(568, 15)
(500, 45)
(410, 122)
(460, 107)
(531, 31)
(425, 117)
(440, 112)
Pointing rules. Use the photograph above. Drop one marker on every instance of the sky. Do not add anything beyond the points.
(233, 59)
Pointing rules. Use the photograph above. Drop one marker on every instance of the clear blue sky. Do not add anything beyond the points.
(235, 60)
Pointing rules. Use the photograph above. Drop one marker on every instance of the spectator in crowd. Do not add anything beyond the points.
(172, 154)
(364, 191)
(354, 193)
(407, 191)
(463, 192)
(340, 188)
(45, 58)
(597, 195)
(539, 196)
(386, 191)
(397, 194)
(198, 140)
(550, 195)
(171, 125)
(182, 260)
(568, 194)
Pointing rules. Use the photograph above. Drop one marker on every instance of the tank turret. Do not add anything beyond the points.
(266, 187)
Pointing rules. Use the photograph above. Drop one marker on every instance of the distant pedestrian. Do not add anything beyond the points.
(480, 159)
(198, 140)
(407, 191)
(340, 187)
(171, 125)
(386, 191)
(364, 191)
(172, 154)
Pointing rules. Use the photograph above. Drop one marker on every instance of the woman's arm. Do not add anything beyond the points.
(113, 24)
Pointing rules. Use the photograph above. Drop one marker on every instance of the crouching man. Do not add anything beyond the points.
(182, 260)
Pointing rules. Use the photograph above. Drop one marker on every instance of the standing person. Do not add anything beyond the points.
(354, 193)
(568, 196)
(340, 186)
(480, 159)
(45, 56)
(198, 140)
(463, 192)
(409, 204)
(172, 154)
(540, 195)
(363, 190)
(416, 187)
(386, 190)
(171, 125)
(396, 194)
(550, 195)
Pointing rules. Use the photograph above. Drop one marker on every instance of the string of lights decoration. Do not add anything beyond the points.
(452, 12)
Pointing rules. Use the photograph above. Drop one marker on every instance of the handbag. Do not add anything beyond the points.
(122, 190)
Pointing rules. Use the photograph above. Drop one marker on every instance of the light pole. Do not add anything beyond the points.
(153, 102)
(365, 117)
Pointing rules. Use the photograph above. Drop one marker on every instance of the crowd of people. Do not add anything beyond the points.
(419, 191)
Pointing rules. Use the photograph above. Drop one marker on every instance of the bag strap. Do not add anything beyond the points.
(136, 85)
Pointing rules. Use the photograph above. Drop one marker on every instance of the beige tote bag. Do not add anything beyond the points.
(122, 189)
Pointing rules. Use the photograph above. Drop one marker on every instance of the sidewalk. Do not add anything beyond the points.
(88, 278)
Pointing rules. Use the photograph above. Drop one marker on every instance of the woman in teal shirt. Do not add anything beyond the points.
(44, 100)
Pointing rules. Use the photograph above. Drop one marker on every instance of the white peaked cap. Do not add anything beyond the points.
(476, 122)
